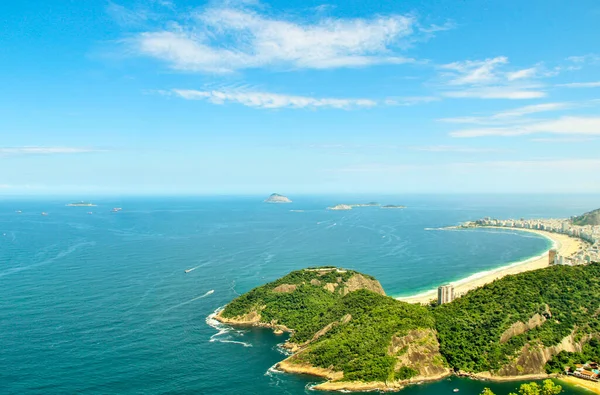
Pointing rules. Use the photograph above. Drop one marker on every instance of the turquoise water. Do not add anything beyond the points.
(101, 304)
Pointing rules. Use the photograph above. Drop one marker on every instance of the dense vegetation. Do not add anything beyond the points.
(353, 332)
(306, 310)
(470, 328)
(591, 218)
(590, 352)
(547, 388)
(359, 348)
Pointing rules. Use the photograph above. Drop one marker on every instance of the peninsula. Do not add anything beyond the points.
(527, 326)
(81, 204)
(277, 198)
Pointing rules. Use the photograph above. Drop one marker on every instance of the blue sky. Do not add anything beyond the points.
(229, 97)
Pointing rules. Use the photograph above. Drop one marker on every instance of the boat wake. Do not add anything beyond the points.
(212, 291)
(225, 333)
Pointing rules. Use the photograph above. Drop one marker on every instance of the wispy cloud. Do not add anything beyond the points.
(589, 126)
(595, 84)
(511, 116)
(541, 164)
(4, 151)
(563, 139)
(496, 92)
(457, 149)
(271, 100)
(588, 58)
(224, 38)
(490, 79)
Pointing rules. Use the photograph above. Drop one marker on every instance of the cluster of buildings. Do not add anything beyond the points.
(588, 371)
(589, 234)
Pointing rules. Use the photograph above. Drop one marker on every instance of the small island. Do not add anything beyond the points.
(277, 198)
(532, 325)
(370, 204)
(340, 207)
(81, 204)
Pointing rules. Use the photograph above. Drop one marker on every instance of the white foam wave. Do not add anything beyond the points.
(224, 332)
(273, 370)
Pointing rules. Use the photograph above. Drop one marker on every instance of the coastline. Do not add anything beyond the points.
(588, 385)
(566, 246)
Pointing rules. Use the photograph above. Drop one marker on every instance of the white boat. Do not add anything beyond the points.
(188, 270)
(44, 214)
(18, 211)
(455, 390)
(116, 209)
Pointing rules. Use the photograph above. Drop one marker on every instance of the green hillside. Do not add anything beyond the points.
(342, 323)
(591, 218)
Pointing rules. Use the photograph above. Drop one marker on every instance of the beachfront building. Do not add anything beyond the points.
(552, 256)
(445, 294)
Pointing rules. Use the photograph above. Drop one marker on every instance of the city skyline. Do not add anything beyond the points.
(249, 97)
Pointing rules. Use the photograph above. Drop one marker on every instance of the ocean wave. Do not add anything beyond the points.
(273, 370)
(224, 332)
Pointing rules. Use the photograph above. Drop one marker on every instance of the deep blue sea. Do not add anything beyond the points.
(100, 303)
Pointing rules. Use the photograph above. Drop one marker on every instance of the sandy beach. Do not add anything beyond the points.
(565, 245)
(589, 385)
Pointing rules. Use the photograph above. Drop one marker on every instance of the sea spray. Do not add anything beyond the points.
(224, 332)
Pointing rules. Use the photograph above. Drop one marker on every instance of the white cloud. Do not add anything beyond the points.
(474, 72)
(496, 92)
(490, 79)
(562, 126)
(595, 84)
(535, 108)
(563, 140)
(43, 150)
(271, 100)
(521, 165)
(521, 74)
(258, 99)
(589, 58)
(227, 39)
(457, 149)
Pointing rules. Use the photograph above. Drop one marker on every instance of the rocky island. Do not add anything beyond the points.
(340, 207)
(277, 198)
(391, 206)
(344, 328)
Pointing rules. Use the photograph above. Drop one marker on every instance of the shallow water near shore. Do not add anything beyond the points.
(101, 303)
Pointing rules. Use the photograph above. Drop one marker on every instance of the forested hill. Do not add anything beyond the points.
(344, 328)
(591, 218)
(512, 326)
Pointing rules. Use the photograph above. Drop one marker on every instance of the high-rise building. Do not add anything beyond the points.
(445, 294)
(552, 256)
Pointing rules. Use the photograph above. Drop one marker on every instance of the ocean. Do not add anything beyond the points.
(101, 304)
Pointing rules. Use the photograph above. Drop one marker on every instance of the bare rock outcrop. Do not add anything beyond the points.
(285, 288)
(519, 327)
(358, 281)
(533, 357)
(419, 349)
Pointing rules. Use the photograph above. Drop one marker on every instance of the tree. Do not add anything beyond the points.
(487, 391)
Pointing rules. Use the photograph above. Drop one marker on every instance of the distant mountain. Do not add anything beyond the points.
(277, 198)
(591, 218)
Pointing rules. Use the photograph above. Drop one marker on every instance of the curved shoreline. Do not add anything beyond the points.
(565, 245)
